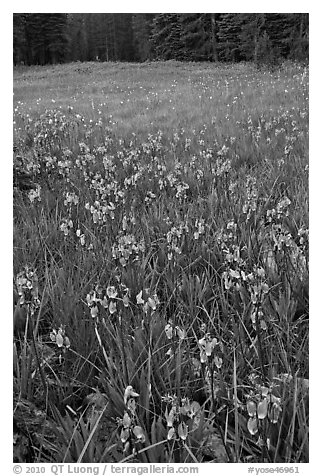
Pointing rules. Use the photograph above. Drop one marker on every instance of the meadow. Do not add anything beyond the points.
(161, 263)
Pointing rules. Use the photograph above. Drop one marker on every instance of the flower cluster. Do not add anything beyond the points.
(147, 300)
(34, 194)
(71, 199)
(127, 249)
(275, 215)
(173, 331)
(258, 288)
(66, 226)
(303, 239)
(182, 417)
(234, 262)
(27, 286)
(175, 237)
(131, 432)
(81, 236)
(263, 408)
(250, 204)
(210, 348)
(200, 228)
(60, 338)
(101, 211)
(107, 298)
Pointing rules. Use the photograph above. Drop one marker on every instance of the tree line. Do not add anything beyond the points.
(49, 38)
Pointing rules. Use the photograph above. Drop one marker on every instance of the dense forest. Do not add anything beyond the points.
(48, 38)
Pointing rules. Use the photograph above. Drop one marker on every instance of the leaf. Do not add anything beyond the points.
(153, 431)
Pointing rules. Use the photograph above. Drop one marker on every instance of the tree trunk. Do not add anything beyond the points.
(213, 37)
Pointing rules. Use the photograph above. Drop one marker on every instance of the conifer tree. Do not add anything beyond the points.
(142, 25)
(41, 38)
(19, 38)
(166, 36)
(229, 30)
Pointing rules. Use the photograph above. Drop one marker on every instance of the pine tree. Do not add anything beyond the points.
(142, 26)
(40, 38)
(213, 17)
(46, 37)
(296, 35)
(252, 28)
(194, 36)
(19, 38)
(229, 30)
(56, 37)
(36, 38)
(124, 35)
(91, 29)
(78, 47)
(166, 36)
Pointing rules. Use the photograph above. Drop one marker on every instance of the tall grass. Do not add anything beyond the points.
(167, 226)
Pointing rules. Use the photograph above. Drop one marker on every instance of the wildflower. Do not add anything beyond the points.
(172, 331)
(111, 292)
(126, 300)
(139, 434)
(252, 425)
(251, 408)
(183, 430)
(206, 345)
(66, 226)
(94, 311)
(126, 420)
(169, 330)
(27, 285)
(262, 409)
(139, 299)
(152, 303)
(59, 338)
(129, 393)
(34, 194)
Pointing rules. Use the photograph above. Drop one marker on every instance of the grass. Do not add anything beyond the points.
(161, 263)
